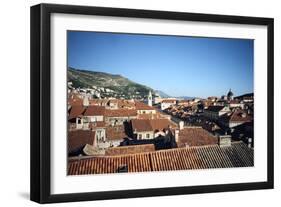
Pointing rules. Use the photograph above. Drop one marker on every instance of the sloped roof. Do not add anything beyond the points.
(203, 157)
(237, 116)
(94, 111)
(115, 132)
(76, 111)
(196, 137)
(133, 149)
(79, 138)
(169, 101)
(142, 106)
(240, 116)
(142, 125)
(215, 108)
(120, 112)
(74, 100)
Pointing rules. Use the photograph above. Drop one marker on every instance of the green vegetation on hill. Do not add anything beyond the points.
(107, 84)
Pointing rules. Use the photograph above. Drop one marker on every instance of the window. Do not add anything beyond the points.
(140, 136)
(148, 136)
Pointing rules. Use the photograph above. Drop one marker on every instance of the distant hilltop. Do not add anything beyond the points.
(247, 95)
(107, 85)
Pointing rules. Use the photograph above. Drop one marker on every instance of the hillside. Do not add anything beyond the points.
(244, 95)
(106, 85)
(162, 94)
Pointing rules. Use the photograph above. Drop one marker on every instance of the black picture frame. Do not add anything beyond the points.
(41, 96)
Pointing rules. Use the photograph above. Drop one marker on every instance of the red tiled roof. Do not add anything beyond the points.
(157, 115)
(115, 132)
(141, 125)
(74, 100)
(79, 138)
(120, 112)
(202, 157)
(134, 149)
(76, 111)
(97, 124)
(126, 104)
(196, 136)
(240, 116)
(142, 106)
(169, 101)
(94, 111)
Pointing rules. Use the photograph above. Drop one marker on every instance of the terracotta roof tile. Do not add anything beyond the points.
(196, 136)
(97, 124)
(240, 116)
(134, 149)
(75, 100)
(94, 111)
(202, 157)
(115, 132)
(169, 101)
(76, 111)
(120, 112)
(141, 125)
(142, 106)
(79, 138)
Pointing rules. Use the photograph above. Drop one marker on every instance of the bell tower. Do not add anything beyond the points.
(149, 98)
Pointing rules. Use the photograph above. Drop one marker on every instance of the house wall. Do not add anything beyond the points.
(166, 105)
(146, 111)
(100, 135)
(237, 105)
(93, 118)
(108, 143)
(234, 124)
(143, 134)
(118, 120)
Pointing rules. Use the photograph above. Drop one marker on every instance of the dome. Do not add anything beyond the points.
(229, 94)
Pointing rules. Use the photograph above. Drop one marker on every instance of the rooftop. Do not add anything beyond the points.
(203, 157)
(120, 112)
(196, 136)
(94, 111)
(144, 125)
(76, 111)
(115, 132)
(78, 139)
(169, 101)
(215, 108)
(240, 116)
(133, 149)
(142, 106)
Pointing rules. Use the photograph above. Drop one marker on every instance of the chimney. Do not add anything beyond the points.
(181, 125)
(225, 140)
(177, 135)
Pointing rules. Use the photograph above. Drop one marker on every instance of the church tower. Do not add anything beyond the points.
(149, 98)
(230, 95)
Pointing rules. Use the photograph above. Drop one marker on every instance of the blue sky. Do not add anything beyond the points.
(178, 66)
